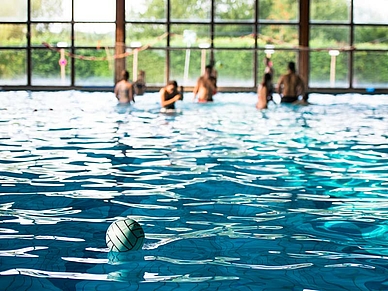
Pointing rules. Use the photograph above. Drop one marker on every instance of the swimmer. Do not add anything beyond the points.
(206, 86)
(124, 89)
(264, 92)
(291, 85)
(170, 94)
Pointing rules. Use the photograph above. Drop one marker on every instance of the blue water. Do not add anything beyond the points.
(230, 198)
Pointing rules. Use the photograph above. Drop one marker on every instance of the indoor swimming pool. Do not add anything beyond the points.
(229, 197)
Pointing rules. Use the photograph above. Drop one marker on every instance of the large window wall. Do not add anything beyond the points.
(74, 44)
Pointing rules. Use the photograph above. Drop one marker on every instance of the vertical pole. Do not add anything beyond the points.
(212, 11)
(167, 76)
(203, 60)
(120, 38)
(332, 71)
(134, 64)
(304, 30)
(28, 52)
(351, 53)
(256, 54)
(72, 50)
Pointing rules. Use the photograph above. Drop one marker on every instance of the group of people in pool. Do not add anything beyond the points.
(290, 87)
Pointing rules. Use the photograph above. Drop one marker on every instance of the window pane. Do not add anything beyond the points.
(153, 63)
(285, 10)
(144, 34)
(190, 10)
(279, 59)
(370, 70)
(46, 68)
(13, 64)
(189, 35)
(57, 10)
(94, 34)
(279, 35)
(371, 37)
(13, 10)
(372, 11)
(329, 36)
(234, 35)
(13, 35)
(185, 66)
(235, 10)
(145, 10)
(330, 10)
(51, 33)
(234, 68)
(98, 72)
(329, 71)
(95, 10)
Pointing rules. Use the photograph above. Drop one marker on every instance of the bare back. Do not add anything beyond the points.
(291, 84)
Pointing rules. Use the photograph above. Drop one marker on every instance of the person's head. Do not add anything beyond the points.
(125, 75)
(208, 69)
(291, 67)
(171, 86)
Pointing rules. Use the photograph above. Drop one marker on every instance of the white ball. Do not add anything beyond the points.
(124, 235)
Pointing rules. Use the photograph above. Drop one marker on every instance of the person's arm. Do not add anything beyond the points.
(280, 85)
(131, 91)
(165, 102)
(116, 92)
(196, 88)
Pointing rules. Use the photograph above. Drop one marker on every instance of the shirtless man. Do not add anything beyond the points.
(124, 89)
(291, 85)
(206, 86)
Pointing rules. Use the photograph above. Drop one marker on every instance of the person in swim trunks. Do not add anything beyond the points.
(291, 85)
(124, 89)
(170, 94)
(206, 86)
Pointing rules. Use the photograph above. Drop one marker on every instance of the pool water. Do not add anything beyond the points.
(229, 197)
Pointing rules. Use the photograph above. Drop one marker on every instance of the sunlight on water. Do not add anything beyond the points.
(290, 198)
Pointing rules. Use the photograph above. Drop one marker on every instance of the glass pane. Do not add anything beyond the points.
(13, 35)
(94, 34)
(329, 36)
(371, 37)
(185, 66)
(95, 10)
(50, 68)
(234, 68)
(279, 10)
(57, 10)
(234, 35)
(51, 33)
(279, 60)
(370, 70)
(146, 35)
(235, 10)
(372, 11)
(95, 70)
(327, 69)
(189, 35)
(279, 35)
(193, 10)
(153, 63)
(13, 10)
(330, 10)
(13, 64)
(145, 10)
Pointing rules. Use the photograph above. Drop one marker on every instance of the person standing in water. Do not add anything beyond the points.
(206, 86)
(124, 89)
(291, 85)
(264, 92)
(170, 94)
